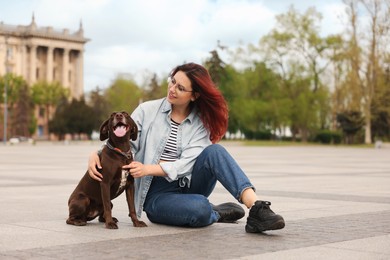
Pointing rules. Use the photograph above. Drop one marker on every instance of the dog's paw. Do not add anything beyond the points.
(139, 224)
(111, 225)
(101, 219)
(76, 222)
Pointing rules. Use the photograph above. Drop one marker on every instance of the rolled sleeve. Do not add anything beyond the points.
(170, 169)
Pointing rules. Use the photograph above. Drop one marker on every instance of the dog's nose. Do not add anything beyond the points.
(119, 116)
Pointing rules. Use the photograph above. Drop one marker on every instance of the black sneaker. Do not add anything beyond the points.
(262, 218)
(229, 212)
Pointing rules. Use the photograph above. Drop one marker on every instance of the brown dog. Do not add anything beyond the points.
(92, 198)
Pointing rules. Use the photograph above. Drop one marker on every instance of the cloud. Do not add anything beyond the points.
(130, 36)
(167, 33)
(334, 18)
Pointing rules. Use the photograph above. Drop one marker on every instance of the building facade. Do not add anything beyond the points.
(43, 54)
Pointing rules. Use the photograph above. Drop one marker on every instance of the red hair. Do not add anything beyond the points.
(212, 106)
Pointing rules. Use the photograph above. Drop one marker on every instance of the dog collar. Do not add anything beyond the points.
(127, 155)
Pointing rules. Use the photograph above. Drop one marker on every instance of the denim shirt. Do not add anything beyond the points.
(153, 121)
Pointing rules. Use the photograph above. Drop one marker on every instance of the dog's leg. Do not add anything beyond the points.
(77, 210)
(101, 216)
(130, 203)
(106, 198)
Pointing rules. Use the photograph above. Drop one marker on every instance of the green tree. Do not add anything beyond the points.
(73, 118)
(232, 89)
(80, 118)
(19, 104)
(100, 105)
(296, 50)
(257, 103)
(368, 48)
(155, 90)
(338, 56)
(47, 95)
(216, 67)
(381, 108)
(14, 84)
(23, 120)
(123, 94)
(351, 122)
(59, 124)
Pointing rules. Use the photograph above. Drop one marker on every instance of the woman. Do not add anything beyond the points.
(177, 161)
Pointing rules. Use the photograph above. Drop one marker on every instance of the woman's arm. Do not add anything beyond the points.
(138, 169)
(93, 163)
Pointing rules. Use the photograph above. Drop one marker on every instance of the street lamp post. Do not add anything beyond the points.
(5, 91)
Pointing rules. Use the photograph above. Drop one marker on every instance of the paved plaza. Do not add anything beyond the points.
(335, 201)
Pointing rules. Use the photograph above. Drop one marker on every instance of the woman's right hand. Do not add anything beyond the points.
(93, 163)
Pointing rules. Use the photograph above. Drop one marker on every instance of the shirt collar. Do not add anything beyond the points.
(167, 108)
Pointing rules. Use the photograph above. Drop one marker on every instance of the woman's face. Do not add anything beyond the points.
(180, 91)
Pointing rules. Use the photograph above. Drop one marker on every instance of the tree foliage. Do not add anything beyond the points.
(351, 122)
(101, 109)
(294, 80)
(47, 95)
(368, 47)
(19, 105)
(296, 51)
(155, 89)
(123, 95)
(73, 118)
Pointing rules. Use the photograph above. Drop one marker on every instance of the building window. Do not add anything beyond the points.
(42, 112)
(9, 52)
(37, 73)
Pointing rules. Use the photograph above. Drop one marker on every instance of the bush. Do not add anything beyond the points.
(328, 137)
(258, 135)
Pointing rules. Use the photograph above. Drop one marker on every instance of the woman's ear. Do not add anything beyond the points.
(195, 96)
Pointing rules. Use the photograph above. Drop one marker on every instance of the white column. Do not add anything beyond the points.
(79, 88)
(33, 64)
(65, 68)
(23, 61)
(49, 64)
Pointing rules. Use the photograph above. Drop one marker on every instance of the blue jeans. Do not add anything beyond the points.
(167, 203)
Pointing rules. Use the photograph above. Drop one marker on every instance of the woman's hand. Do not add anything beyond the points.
(93, 163)
(137, 169)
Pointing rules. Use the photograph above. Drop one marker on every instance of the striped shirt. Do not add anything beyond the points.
(170, 151)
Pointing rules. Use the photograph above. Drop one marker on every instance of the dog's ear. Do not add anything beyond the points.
(133, 130)
(104, 130)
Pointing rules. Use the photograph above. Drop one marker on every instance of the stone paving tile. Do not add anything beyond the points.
(327, 196)
(332, 199)
(222, 241)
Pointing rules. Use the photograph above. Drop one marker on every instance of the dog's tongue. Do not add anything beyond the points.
(120, 131)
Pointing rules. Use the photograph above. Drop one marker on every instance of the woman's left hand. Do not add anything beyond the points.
(137, 169)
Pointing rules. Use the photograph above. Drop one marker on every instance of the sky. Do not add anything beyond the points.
(153, 36)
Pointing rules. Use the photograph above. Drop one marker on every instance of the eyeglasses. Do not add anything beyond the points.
(178, 87)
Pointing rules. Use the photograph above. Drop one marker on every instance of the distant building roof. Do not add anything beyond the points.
(32, 30)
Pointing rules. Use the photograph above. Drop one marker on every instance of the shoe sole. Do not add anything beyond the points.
(254, 226)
